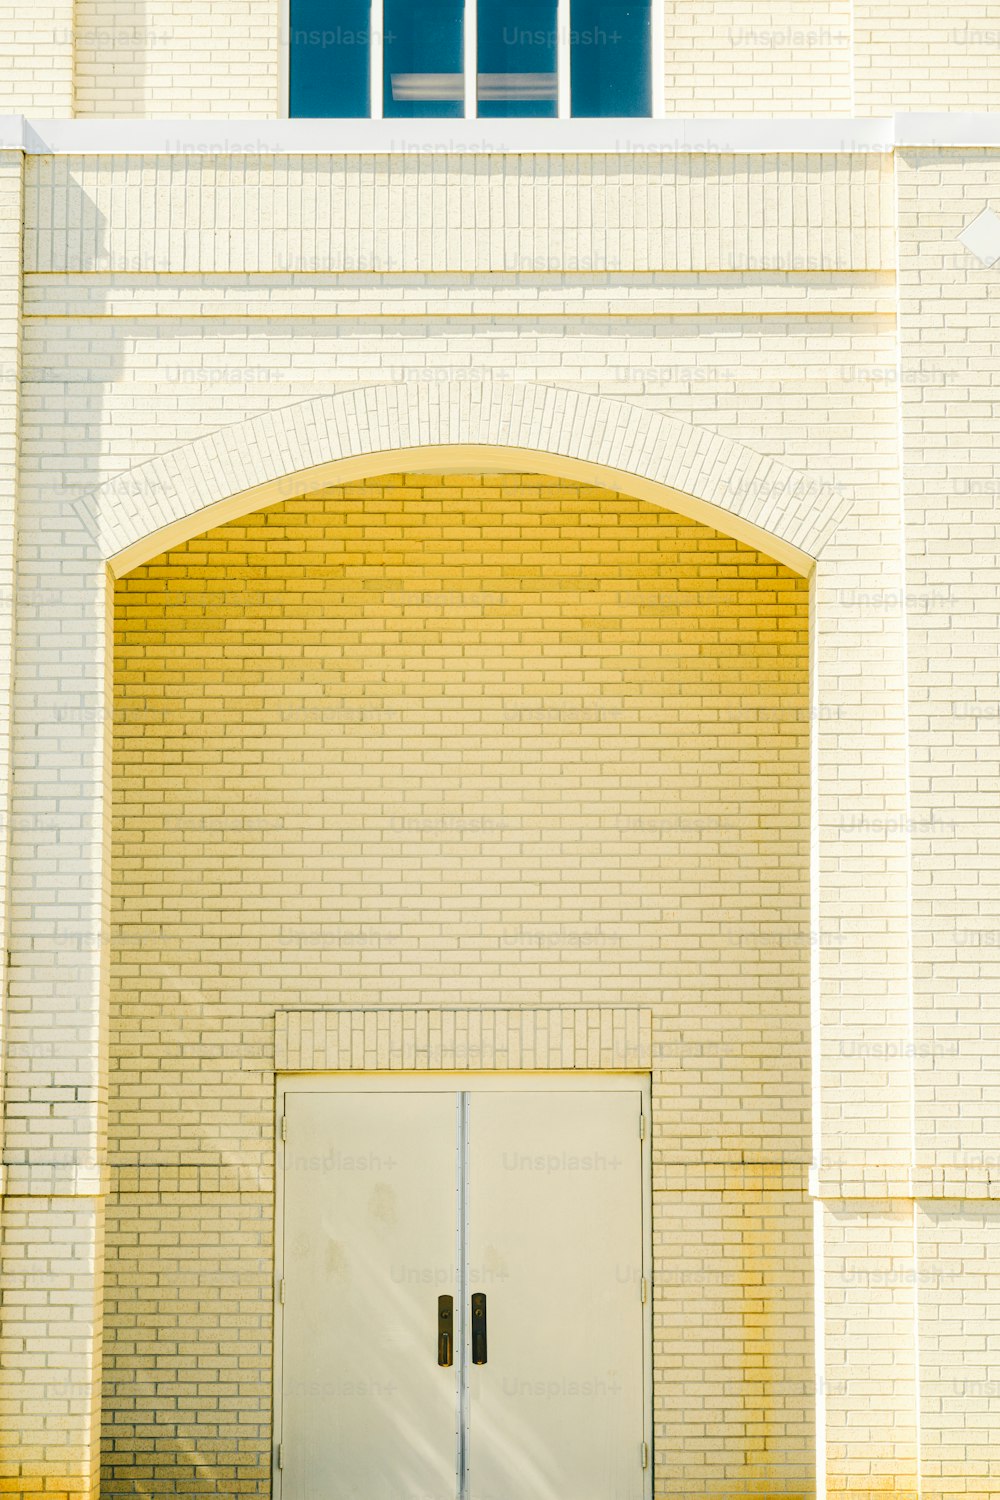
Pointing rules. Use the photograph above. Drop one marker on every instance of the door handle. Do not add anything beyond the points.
(446, 1330)
(479, 1328)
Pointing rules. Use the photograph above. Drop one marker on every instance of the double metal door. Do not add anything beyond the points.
(461, 1309)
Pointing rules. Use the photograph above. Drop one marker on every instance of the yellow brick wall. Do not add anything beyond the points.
(450, 740)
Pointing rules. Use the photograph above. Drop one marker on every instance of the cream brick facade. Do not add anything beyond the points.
(489, 596)
(156, 59)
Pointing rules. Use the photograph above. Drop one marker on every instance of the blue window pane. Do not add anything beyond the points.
(423, 58)
(328, 63)
(517, 57)
(609, 57)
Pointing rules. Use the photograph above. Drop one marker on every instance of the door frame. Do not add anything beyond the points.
(358, 1081)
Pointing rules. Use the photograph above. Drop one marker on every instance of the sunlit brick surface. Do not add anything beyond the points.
(425, 739)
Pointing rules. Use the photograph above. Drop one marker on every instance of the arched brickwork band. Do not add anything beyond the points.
(339, 438)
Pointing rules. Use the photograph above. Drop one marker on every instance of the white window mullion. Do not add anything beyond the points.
(658, 59)
(470, 51)
(376, 33)
(563, 96)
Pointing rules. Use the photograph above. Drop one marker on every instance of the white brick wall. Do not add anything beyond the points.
(11, 200)
(674, 339)
(195, 327)
(178, 57)
(953, 552)
(36, 58)
(536, 213)
(913, 56)
(53, 1251)
(737, 57)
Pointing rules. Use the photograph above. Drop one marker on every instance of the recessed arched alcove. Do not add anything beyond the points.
(500, 740)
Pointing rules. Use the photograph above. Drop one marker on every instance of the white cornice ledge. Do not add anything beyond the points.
(947, 130)
(444, 137)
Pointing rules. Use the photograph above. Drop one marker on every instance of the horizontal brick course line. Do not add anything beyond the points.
(488, 277)
(570, 315)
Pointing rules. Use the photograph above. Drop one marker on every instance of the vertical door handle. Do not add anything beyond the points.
(479, 1328)
(446, 1330)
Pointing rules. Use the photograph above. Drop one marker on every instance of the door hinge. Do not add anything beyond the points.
(644, 1289)
(645, 1455)
(281, 1291)
(642, 1127)
(281, 1457)
(284, 1127)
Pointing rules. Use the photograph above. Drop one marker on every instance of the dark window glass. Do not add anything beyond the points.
(328, 59)
(423, 58)
(609, 57)
(517, 57)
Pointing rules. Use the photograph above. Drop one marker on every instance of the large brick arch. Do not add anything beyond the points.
(548, 429)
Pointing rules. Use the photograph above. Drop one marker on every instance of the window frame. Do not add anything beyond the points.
(657, 43)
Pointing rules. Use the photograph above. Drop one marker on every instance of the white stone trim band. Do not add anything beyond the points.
(279, 137)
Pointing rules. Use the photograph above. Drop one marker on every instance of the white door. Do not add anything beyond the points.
(367, 1413)
(555, 1247)
(522, 1205)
